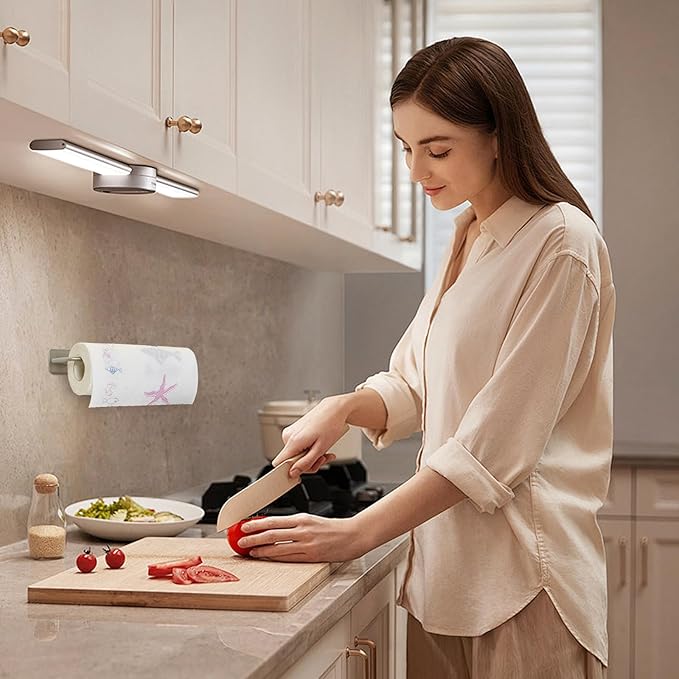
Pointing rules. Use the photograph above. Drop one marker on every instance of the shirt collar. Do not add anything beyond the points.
(505, 222)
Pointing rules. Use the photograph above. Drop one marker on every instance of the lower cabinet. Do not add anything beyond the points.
(363, 644)
(640, 526)
(656, 651)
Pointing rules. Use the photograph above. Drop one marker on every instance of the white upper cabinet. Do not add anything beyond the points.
(121, 73)
(271, 105)
(342, 60)
(34, 74)
(276, 165)
(204, 89)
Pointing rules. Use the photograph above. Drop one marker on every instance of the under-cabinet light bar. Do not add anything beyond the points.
(78, 156)
(172, 189)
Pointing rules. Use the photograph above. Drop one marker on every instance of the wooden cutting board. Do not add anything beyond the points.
(263, 585)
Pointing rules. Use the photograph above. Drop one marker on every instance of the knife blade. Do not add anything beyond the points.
(258, 494)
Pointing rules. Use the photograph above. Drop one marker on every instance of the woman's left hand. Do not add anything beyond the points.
(305, 538)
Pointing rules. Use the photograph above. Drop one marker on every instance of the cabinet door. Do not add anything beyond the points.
(617, 535)
(619, 500)
(121, 73)
(276, 166)
(658, 493)
(342, 108)
(36, 76)
(327, 658)
(204, 82)
(372, 620)
(657, 599)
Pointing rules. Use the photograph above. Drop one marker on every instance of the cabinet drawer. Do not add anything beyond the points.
(619, 500)
(658, 493)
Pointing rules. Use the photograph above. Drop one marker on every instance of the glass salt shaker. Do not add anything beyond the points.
(46, 520)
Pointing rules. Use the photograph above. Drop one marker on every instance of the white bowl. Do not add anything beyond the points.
(126, 531)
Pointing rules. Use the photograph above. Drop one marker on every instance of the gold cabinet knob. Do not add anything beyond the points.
(11, 35)
(184, 124)
(330, 197)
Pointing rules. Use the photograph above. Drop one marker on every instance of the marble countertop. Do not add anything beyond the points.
(82, 642)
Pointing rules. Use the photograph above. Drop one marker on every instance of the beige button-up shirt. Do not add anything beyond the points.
(509, 374)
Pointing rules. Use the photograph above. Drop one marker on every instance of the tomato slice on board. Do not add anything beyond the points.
(179, 577)
(164, 569)
(205, 573)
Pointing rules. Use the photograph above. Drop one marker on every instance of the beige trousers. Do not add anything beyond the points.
(534, 644)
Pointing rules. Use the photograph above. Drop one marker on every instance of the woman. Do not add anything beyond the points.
(507, 369)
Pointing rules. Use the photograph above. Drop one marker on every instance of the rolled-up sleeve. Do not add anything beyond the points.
(541, 367)
(399, 388)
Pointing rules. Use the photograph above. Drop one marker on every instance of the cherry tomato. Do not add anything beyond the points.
(86, 561)
(114, 557)
(235, 533)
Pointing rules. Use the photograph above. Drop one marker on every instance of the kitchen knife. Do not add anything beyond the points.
(258, 494)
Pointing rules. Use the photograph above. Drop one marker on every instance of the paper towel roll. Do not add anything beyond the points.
(133, 375)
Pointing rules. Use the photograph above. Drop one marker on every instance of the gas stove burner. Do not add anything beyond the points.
(336, 491)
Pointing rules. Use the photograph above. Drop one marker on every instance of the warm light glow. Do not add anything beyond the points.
(62, 150)
(172, 189)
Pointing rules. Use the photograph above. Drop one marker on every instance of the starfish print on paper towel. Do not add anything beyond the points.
(159, 394)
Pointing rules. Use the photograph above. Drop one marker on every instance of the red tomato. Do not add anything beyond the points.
(114, 557)
(179, 576)
(86, 561)
(235, 533)
(204, 573)
(164, 569)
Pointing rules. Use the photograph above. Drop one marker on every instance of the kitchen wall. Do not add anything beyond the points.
(641, 222)
(379, 307)
(261, 329)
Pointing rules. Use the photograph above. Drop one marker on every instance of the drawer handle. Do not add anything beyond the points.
(11, 35)
(373, 654)
(357, 652)
(644, 561)
(330, 197)
(622, 543)
(184, 124)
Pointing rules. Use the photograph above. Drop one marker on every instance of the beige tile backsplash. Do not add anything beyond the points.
(261, 329)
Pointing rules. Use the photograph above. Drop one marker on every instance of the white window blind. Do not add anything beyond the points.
(556, 46)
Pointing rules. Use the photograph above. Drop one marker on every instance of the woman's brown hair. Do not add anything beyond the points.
(474, 82)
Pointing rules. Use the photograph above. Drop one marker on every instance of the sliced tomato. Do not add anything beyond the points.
(205, 573)
(179, 576)
(164, 569)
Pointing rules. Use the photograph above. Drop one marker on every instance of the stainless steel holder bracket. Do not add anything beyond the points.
(58, 361)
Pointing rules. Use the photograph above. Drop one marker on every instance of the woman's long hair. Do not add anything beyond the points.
(474, 82)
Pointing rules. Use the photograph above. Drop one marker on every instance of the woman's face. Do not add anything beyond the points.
(442, 154)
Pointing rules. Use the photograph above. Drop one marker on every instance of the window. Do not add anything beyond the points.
(556, 46)
(399, 207)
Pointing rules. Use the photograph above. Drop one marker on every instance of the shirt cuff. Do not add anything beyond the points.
(402, 412)
(454, 462)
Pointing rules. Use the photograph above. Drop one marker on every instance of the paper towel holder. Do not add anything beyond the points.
(58, 361)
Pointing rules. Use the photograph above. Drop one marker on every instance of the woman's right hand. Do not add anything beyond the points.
(314, 433)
